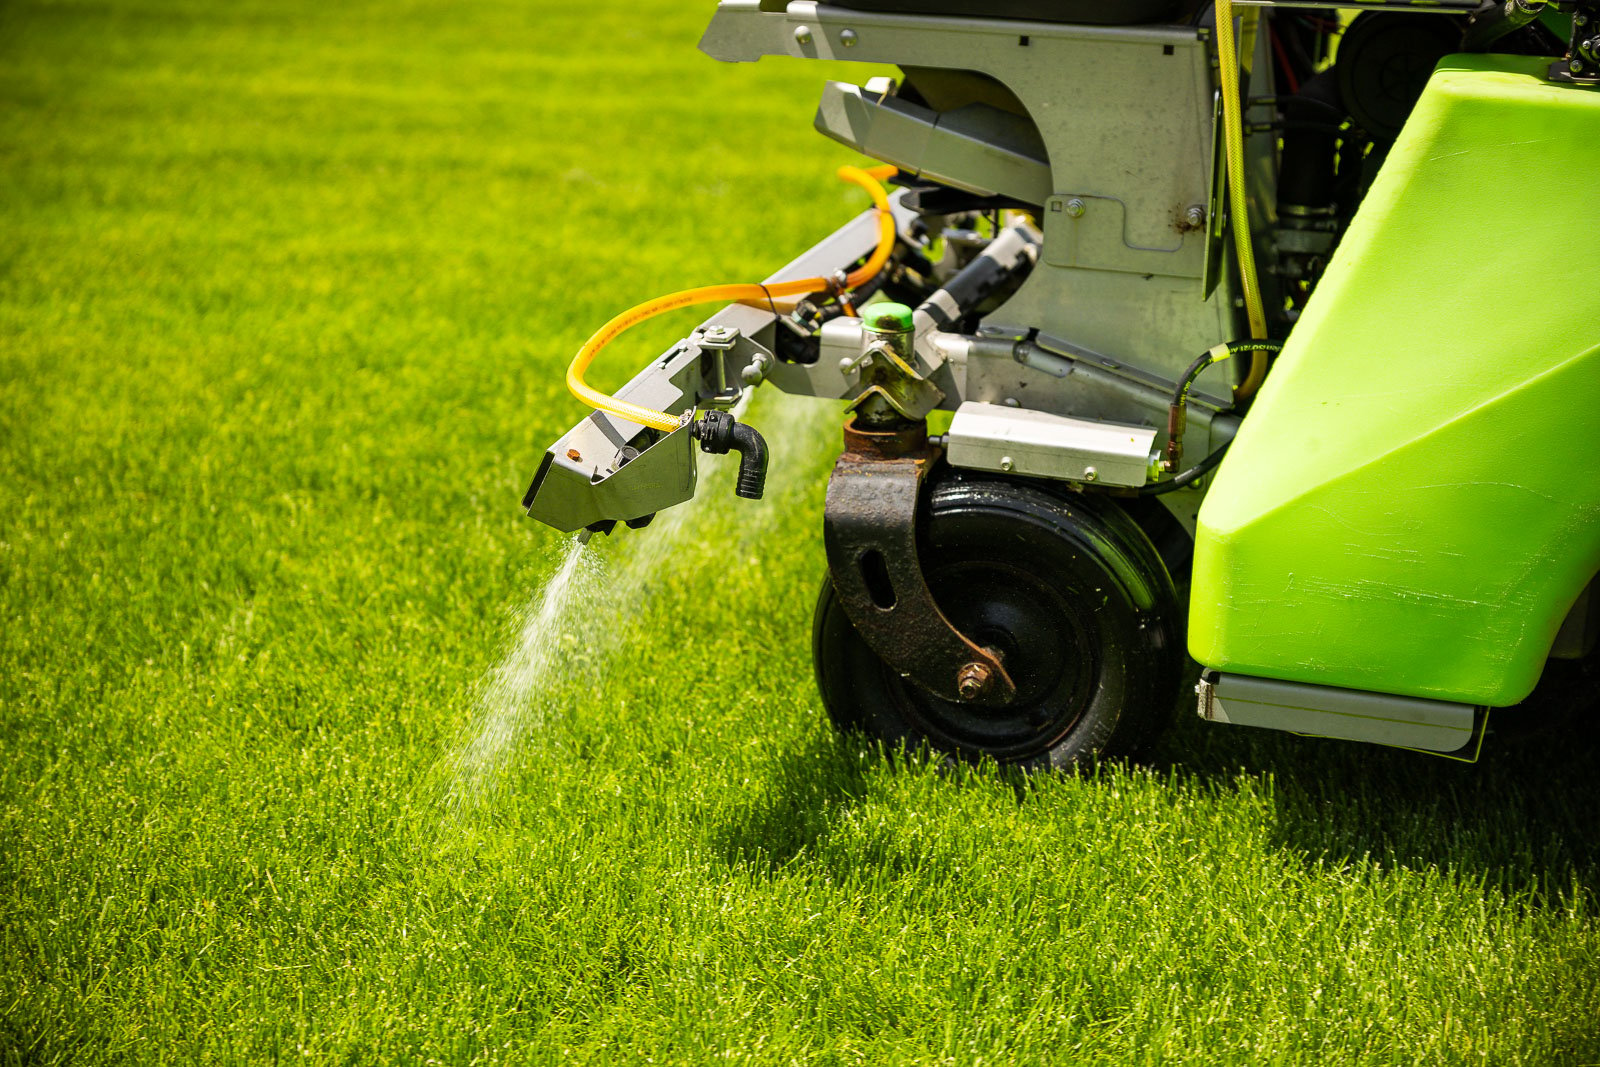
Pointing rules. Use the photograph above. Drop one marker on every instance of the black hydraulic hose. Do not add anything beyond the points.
(1487, 27)
(1188, 477)
(718, 433)
(1310, 147)
(1216, 354)
(1177, 414)
(1011, 252)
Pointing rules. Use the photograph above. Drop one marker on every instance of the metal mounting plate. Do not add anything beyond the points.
(870, 529)
(994, 437)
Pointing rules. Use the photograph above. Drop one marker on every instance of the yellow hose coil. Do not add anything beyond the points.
(870, 180)
(1233, 138)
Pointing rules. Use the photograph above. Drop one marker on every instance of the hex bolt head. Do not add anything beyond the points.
(972, 680)
(802, 34)
(1075, 207)
(847, 38)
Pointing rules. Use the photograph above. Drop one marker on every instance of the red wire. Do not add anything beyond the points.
(1283, 60)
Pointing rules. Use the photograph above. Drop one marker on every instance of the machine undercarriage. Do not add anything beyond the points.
(1090, 257)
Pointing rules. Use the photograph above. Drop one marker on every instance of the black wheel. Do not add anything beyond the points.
(1066, 587)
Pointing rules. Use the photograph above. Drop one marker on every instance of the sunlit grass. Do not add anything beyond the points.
(285, 294)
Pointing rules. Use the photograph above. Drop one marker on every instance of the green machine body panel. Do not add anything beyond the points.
(1413, 503)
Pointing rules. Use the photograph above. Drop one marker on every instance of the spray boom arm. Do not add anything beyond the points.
(609, 469)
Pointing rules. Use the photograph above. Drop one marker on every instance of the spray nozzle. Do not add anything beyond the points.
(718, 433)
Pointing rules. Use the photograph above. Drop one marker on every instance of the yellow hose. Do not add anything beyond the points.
(869, 179)
(1233, 137)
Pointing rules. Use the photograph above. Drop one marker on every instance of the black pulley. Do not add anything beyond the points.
(1385, 59)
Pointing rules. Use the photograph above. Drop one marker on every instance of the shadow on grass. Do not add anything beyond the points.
(1520, 820)
(805, 794)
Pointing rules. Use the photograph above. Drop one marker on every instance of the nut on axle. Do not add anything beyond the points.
(972, 680)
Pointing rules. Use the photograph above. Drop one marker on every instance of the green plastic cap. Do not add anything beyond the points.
(889, 318)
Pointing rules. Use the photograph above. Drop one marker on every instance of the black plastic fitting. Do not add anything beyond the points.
(718, 433)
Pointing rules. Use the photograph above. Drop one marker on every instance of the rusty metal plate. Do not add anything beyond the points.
(870, 526)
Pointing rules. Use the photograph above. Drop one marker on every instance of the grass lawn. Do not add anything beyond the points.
(286, 291)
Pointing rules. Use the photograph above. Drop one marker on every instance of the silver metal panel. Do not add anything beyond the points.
(994, 437)
(1124, 111)
(1379, 718)
(1127, 117)
(662, 475)
(972, 148)
(1090, 230)
(887, 128)
(1046, 375)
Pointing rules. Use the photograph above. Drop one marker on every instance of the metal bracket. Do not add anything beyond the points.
(1326, 711)
(1581, 65)
(887, 376)
(870, 529)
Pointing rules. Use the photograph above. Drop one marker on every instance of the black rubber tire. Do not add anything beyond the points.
(1071, 592)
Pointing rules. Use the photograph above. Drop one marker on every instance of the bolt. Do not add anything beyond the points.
(755, 372)
(802, 34)
(1005, 463)
(847, 38)
(1195, 216)
(972, 680)
(1090, 474)
(1075, 207)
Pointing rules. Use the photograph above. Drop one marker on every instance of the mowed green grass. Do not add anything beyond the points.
(286, 292)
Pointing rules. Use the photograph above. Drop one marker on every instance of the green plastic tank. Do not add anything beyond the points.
(1413, 504)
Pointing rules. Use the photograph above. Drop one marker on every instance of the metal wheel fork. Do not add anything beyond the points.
(870, 529)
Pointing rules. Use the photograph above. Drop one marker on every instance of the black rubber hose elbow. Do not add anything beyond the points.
(718, 432)
(752, 461)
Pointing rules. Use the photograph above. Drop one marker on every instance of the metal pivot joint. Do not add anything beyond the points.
(892, 390)
(869, 527)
